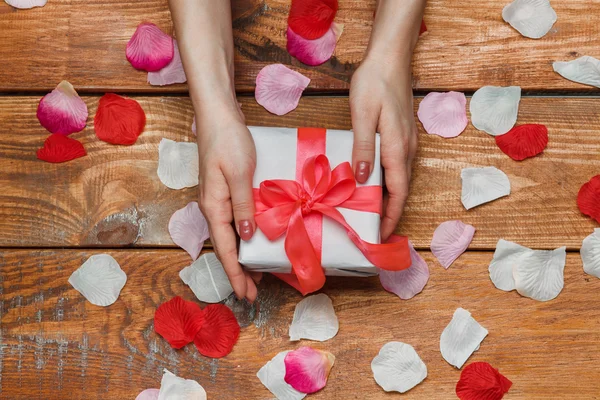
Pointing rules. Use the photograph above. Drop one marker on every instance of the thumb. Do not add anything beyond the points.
(364, 125)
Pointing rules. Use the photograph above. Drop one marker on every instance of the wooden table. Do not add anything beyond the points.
(56, 345)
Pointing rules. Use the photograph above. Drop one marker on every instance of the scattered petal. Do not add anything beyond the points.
(482, 185)
(59, 148)
(494, 109)
(590, 254)
(99, 279)
(278, 88)
(172, 73)
(506, 257)
(149, 48)
(119, 120)
(314, 319)
(523, 141)
(409, 282)
(532, 18)
(148, 394)
(588, 199)
(312, 18)
(423, 28)
(444, 114)
(307, 369)
(188, 229)
(219, 333)
(338, 29)
(24, 4)
(173, 387)
(539, 274)
(450, 240)
(272, 375)
(178, 321)
(207, 279)
(461, 338)
(398, 367)
(584, 70)
(177, 164)
(194, 126)
(62, 110)
(481, 381)
(311, 52)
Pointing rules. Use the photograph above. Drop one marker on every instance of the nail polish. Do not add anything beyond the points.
(362, 173)
(245, 230)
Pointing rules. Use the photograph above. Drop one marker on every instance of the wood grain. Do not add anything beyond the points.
(56, 345)
(113, 196)
(468, 45)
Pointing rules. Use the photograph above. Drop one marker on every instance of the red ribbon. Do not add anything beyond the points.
(296, 209)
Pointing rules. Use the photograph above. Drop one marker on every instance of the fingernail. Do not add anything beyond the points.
(362, 171)
(245, 229)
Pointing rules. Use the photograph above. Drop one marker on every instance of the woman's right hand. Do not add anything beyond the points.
(227, 162)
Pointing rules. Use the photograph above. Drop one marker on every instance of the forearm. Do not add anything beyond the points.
(205, 38)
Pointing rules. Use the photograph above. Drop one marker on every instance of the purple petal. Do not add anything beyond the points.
(278, 88)
(409, 282)
(189, 229)
(444, 114)
(311, 52)
(450, 240)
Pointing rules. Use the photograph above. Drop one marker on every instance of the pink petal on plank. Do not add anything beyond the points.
(23, 4)
(149, 48)
(62, 111)
(172, 73)
(148, 394)
(409, 282)
(307, 369)
(450, 240)
(444, 114)
(188, 229)
(311, 52)
(194, 126)
(278, 88)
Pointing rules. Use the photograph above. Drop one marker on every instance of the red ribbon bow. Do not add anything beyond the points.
(284, 205)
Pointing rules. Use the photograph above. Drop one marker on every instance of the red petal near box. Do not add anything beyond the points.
(219, 333)
(423, 28)
(59, 148)
(178, 321)
(481, 381)
(588, 199)
(312, 18)
(62, 110)
(119, 120)
(149, 49)
(523, 141)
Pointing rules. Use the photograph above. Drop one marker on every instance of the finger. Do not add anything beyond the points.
(256, 276)
(397, 182)
(364, 125)
(252, 292)
(242, 201)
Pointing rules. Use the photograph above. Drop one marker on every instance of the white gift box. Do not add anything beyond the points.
(276, 159)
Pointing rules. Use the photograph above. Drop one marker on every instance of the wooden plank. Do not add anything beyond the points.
(113, 196)
(55, 345)
(468, 45)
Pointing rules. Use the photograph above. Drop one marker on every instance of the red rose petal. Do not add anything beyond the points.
(119, 120)
(481, 381)
(219, 333)
(311, 19)
(423, 28)
(60, 148)
(523, 141)
(588, 199)
(178, 321)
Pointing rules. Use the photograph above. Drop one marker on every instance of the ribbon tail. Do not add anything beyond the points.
(292, 280)
(391, 256)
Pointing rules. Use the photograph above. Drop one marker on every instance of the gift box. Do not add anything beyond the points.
(310, 209)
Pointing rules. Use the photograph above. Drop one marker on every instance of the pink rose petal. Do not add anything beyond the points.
(189, 229)
(444, 114)
(311, 52)
(450, 240)
(307, 369)
(172, 73)
(149, 48)
(194, 126)
(148, 394)
(26, 3)
(409, 282)
(62, 110)
(278, 88)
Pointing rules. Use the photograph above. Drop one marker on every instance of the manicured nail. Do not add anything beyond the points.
(246, 230)
(362, 171)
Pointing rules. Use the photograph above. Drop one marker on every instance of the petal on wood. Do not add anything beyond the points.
(60, 148)
(149, 49)
(506, 257)
(584, 70)
(398, 367)
(173, 387)
(461, 338)
(307, 369)
(450, 240)
(523, 141)
(26, 3)
(540, 274)
(588, 198)
(119, 120)
(207, 279)
(409, 282)
(148, 394)
(62, 110)
(278, 88)
(444, 114)
(188, 229)
(312, 18)
(219, 333)
(479, 380)
(272, 375)
(494, 109)
(178, 321)
(532, 18)
(590, 253)
(172, 73)
(482, 185)
(177, 164)
(99, 279)
(311, 52)
(314, 319)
